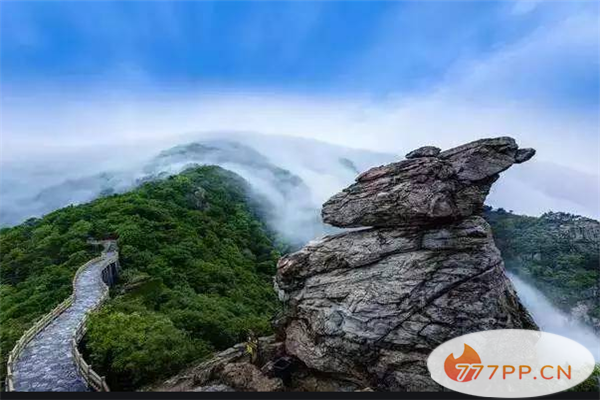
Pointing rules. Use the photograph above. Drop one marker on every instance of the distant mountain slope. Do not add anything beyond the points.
(292, 176)
(558, 253)
(197, 273)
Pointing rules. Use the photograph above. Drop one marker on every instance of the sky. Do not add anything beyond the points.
(385, 76)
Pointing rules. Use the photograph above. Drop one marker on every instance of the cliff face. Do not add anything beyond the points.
(372, 304)
(365, 308)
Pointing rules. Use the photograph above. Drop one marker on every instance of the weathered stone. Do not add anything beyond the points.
(218, 387)
(198, 199)
(524, 155)
(364, 309)
(448, 187)
(425, 151)
(308, 381)
(210, 373)
(370, 305)
(247, 377)
(357, 294)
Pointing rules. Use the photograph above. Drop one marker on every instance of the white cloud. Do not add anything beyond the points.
(544, 67)
(520, 7)
(479, 98)
(145, 126)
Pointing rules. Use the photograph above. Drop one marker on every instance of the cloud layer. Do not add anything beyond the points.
(527, 70)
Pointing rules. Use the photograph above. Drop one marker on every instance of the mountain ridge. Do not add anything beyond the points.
(558, 253)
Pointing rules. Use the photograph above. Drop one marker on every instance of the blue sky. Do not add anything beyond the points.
(368, 47)
(385, 76)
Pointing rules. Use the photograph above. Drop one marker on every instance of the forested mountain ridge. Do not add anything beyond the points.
(557, 252)
(197, 273)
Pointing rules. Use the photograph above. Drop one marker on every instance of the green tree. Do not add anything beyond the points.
(197, 273)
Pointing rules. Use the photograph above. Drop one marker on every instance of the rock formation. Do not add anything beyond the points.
(427, 187)
(364, 308)
(372, 304)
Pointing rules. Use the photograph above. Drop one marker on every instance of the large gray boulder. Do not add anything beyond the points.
(363, 309)
(371, 304)
(427, 187)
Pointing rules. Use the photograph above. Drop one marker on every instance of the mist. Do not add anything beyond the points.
(40, 180)
(443, 86)
(290, 177)
(91, 134)
(551, 319)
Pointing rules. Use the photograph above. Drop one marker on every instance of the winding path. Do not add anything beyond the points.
(46, 363)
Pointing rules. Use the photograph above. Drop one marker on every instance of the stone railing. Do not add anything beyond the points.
(89, 375)
(28, 335)
(92, 378)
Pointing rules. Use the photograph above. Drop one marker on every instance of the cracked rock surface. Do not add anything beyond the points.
(372, 304)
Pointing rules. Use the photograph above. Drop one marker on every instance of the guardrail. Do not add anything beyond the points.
(37, 327)
(92, 378)
(89, 375)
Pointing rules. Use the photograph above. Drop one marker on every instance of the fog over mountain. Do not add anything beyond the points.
(551, 319)
(529, 72)
(296, 175)
(293, 175)
(297, 98)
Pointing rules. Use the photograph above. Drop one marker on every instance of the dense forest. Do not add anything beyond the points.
(197, 269)
(557, 252)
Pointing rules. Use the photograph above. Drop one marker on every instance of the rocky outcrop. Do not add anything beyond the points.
(363, 309)
(425, 151)
(229, 370)
(423, 189)
(580, 232)
(372, 304)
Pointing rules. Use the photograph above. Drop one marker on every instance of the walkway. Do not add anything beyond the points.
(46, 363)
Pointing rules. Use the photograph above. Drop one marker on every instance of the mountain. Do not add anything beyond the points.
(363, 309)
(371, 305)
(557, 253)
(294, 176)
(197, 273)
(291, 178)
(180, 225)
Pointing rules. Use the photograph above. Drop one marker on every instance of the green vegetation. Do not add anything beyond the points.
(590, 384)
(197, 274)
(198, 265)
(558, 252)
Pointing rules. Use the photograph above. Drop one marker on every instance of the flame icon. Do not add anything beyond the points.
(469, 356)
